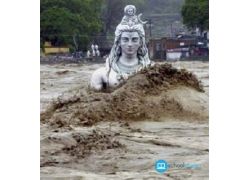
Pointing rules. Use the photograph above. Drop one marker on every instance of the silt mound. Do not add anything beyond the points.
(150, 94)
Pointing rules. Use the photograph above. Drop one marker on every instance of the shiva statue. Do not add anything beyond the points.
(128, 55)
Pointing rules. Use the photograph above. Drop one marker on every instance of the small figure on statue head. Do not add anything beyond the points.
(129, 17)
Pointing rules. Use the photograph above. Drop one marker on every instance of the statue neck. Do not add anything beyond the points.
(128, 65)
(129, 60)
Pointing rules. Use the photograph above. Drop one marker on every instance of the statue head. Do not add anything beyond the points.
(130, 10)
(134, 28)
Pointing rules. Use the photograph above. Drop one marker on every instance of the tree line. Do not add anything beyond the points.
(76, 23)
(195, 14)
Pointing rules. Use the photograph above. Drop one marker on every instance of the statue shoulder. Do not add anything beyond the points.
(98, 78)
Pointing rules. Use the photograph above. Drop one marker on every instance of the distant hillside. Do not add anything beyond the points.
(164, 14)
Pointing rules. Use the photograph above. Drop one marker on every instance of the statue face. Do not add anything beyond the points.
(131, 11)
(130, 42)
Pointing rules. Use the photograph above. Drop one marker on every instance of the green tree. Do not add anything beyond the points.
(65, 22)
(195, 13)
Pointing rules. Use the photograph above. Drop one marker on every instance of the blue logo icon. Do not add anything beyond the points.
(161, 166)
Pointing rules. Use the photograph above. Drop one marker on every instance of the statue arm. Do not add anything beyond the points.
(98, 79)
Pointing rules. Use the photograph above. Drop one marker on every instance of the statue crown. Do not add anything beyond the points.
(130, 21)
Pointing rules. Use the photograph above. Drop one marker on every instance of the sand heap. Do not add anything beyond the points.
(77, 146)
(144, 96)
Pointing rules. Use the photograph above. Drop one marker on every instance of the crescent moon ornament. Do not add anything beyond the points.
(139, 18)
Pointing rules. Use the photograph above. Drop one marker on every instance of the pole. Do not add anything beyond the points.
(150, 31)
(171, 30)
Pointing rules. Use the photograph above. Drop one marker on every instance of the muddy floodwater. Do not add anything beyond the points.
(158, 114)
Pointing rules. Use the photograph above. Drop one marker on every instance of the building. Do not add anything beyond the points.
(175, 48)
(49, 49)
